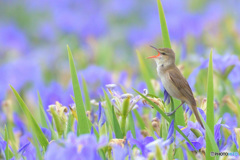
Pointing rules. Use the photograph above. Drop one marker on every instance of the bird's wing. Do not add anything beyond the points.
(181, 84)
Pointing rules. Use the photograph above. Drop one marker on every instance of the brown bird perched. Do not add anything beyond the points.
(173, 81)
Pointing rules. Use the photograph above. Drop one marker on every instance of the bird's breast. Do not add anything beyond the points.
(169, 86)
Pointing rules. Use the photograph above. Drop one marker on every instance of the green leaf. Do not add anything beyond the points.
(42, 113)
(139, 119)
(35, 143)
(210, 134)
(158, 153)
(166, 117)
(11, 136)
(165, 35)
(82, 125)
(35, 127)
(57, 122)
(94, 129)
(70, 122)
(124, 115)
(145, 73)
(116, 125)
(210, 109)
(86, 95)
(170, 151)
(131, 125)
(6, 139)
(179, 114)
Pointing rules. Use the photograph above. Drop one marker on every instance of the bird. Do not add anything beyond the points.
(173, 81)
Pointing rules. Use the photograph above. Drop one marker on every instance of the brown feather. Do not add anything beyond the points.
(182, 85)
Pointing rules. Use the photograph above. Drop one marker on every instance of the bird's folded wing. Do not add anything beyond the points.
(181, 83)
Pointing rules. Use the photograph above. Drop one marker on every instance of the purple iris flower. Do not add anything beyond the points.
(84, 146)
(18, 73)
(101, 115)
(28, 151)
(2, 148)
(3, 145)
(234, 76)
(230, 120)
(167, 98)
(198, 142)
(12, 39)
(220, 63)
(120, 153)
(19, 125)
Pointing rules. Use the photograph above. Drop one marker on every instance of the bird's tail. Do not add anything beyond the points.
(195, 111)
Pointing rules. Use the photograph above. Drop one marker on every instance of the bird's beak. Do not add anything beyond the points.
(156, 55)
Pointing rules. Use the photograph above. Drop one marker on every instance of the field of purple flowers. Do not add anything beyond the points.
(75, 82)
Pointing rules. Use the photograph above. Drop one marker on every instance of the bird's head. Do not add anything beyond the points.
(165, 57)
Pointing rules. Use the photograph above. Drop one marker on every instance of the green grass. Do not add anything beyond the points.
(82, 128)
(86, 95)
(210, 110)
(165, 35)
(35, 127)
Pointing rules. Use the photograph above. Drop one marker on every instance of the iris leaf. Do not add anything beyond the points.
(210, 141)
(35, 127)
(83, 127)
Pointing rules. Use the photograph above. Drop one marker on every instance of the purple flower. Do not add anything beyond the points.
(12, 39)
(167, 98)
(52, 93)
(18, 73)
(220, 63)
(234, 76)
(197, 143)
(120, 153)
(85, 146)
(161, 142)
(101, 115)
(230, 120)
(3, 145)
(28, 151)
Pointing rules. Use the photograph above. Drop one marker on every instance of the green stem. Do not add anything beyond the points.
(123, 124)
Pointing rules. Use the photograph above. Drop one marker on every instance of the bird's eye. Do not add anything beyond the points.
(163, 53)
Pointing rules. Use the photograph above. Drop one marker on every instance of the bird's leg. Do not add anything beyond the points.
(171, 113)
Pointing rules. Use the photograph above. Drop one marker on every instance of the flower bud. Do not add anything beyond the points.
(156, 125)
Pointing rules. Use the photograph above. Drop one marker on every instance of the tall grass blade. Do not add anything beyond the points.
(139, 119)
(42, 113)
(165, 35)
(86, 95)
(6, 139)
(35, 143)
(82, 125)
(116, 125)
(35, 127)
(212, 143)
(210, 110)
(131, 124)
